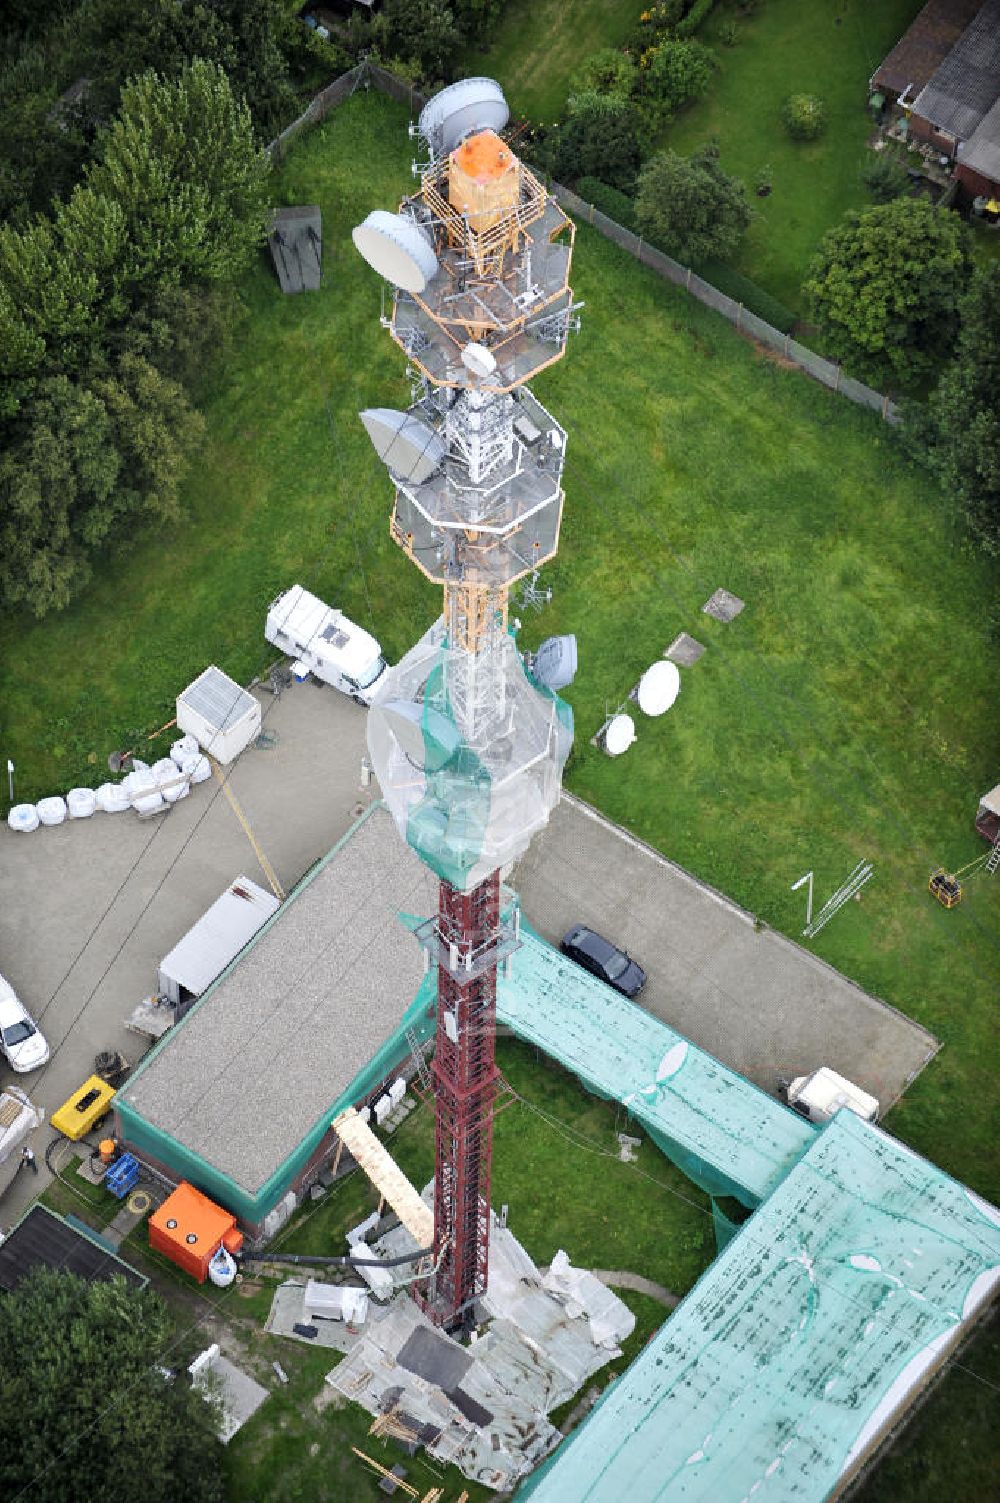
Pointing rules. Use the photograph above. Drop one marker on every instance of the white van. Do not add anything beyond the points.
(325, 643)
(820, 1095)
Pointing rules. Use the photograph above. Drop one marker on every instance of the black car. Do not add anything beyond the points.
(604, 960)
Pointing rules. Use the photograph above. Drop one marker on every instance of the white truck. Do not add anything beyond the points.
(820, 1095)
(325, 643)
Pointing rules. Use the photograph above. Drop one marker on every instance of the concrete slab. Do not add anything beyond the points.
(89, 908)
(723, 605)
(684, 650)
(240, 1395)
(761, 1004)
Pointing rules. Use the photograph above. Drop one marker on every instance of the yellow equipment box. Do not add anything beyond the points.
(84, 1109)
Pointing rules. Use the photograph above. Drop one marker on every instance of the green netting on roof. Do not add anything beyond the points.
(789, 1356)
(725, 1134)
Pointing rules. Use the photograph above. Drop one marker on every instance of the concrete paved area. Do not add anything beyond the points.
(759, 1003)
(89, 908)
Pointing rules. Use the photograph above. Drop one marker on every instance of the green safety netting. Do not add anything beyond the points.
(726, 1135)
(466, 802)
(792, 1353)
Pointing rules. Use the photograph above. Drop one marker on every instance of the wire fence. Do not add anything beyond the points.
(367, 74)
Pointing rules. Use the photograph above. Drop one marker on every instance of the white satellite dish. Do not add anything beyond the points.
(658, 688)
(618, 735)
(479, 360)
(472, 104)
(397, 249)
(407, 445)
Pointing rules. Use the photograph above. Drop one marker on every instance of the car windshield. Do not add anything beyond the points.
(616, 966)
(18, 1032)
(372, 674)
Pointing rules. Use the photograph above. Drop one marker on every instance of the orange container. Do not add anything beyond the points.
(189, 1228)
(107, 1148)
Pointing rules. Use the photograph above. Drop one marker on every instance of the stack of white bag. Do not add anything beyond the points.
(145, 789)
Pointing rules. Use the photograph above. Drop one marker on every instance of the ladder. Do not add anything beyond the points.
(993, 859)
(419, 1062)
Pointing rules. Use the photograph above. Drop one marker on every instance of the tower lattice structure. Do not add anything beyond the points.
(467, 747)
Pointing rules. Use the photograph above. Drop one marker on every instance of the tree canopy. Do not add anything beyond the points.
(963, 427)
(83, 1405)
(690, 207)
(886, 286)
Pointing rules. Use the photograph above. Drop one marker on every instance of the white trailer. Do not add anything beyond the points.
(325, 643)
(18, 1119)
(820, 1095)
(222, 717)
(214, 941)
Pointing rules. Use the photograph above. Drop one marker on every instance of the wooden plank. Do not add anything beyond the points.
(386, 1175)
(403, 1486)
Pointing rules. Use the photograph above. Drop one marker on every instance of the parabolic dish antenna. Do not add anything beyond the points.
(428, 738)
(618, 735)
(478, 360)
(397, 249)
(409, 447)
(658, 688)
(472, 104)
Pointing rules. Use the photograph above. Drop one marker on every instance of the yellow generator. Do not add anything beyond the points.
(87, 1106)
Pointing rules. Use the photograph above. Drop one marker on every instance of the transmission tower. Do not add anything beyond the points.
(468, 748)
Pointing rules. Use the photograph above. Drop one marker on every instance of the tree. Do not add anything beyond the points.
(423, 31)
(605, 72)
(804, 116)
(181, 161)
(885, 177)
(962, 434)
(83, 1395)
(690, 207)
(82, 461)
(886, 286)
(601, 138)
(672, 74)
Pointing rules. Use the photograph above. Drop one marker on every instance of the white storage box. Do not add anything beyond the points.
(222, 717)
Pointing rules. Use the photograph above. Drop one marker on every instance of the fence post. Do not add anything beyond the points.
(885, 406)
(785, 350)
(840, 372)
(687, 284)
(592, 213)
(739, 315)
(638, 249)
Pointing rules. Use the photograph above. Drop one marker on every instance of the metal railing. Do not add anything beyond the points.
(828, 372)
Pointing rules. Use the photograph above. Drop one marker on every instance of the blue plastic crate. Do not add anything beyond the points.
(122, 1175)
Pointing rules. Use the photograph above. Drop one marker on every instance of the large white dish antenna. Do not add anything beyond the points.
(478, 360)
(397, 249)
(658, 688)
(409, 447)
(618, 735)
(471, 105)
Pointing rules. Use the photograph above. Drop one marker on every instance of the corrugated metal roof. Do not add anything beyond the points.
(791, 1352)
(219, 935)
(218, 698)
(981, 153)
(965, 86)
(42, 1239)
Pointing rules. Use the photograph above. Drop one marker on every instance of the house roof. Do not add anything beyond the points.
(793, 1352)
(925, 45)
(981, 153)
(966, 85)
(42, 1239)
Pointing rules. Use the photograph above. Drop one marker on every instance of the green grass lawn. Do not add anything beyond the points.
(539, 44)
(847, 713)
(800, 46)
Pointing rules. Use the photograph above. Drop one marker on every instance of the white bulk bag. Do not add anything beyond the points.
(23, 817)
(81, 802)
(51, 811)
(112, 798)
(186, 746)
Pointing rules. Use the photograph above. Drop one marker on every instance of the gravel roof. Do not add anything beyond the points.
(268, 1050)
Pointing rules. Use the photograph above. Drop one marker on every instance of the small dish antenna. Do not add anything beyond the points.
(472, 104)
(397, 249)
(618, 735)
(478, 360)
(658, 688)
